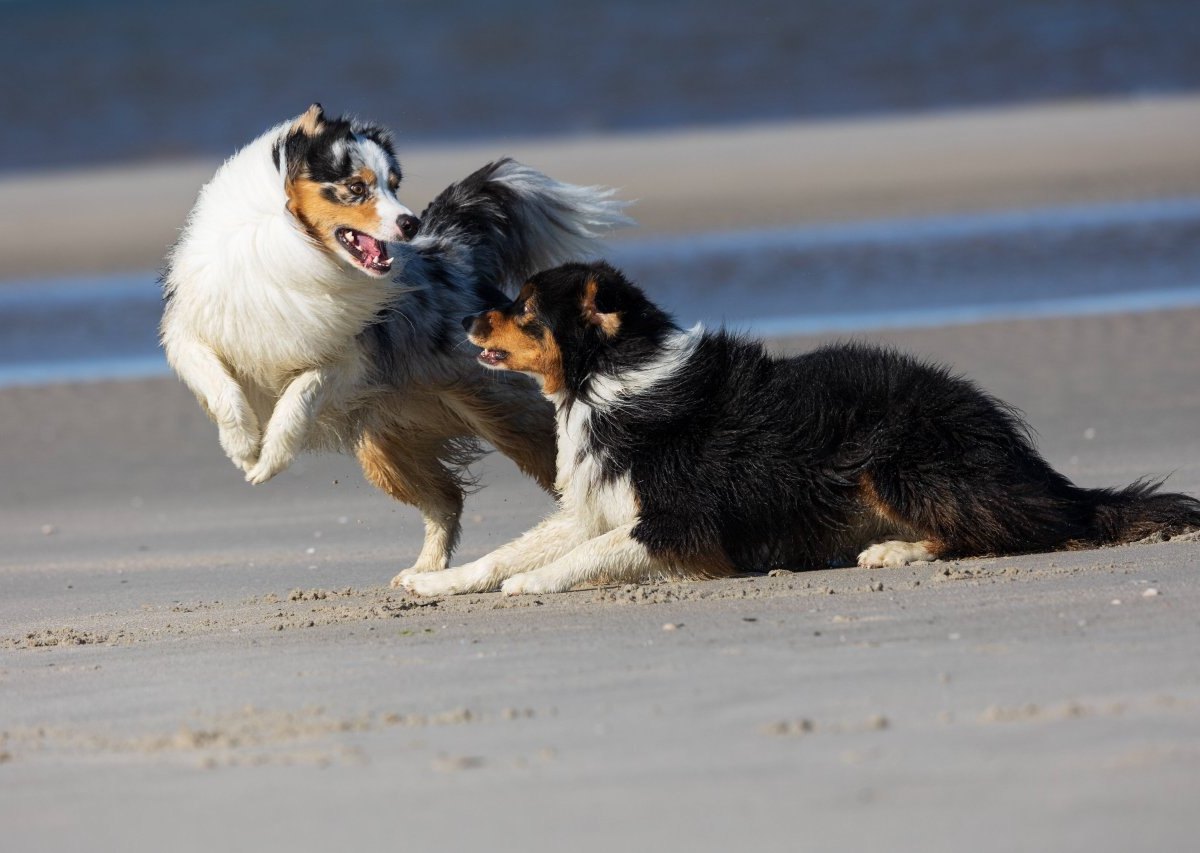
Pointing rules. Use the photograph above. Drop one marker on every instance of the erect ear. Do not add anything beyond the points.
(311, 121)
(609, 322)
(296, 143)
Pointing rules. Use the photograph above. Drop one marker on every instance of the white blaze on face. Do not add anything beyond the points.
(388, 208)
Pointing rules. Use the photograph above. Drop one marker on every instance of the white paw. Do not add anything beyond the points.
(893, 554)
(398, 581)
(241, 447)
(246, 463)
(267, 466)
(528, 583)
(445, 582)
(262, 471)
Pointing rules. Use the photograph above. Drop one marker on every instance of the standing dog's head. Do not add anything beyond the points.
(569, 323)
(341, 178)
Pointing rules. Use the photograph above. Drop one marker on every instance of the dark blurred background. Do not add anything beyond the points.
(101, 81)
(1055, 144)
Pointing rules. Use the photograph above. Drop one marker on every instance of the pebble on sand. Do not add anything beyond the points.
(49, 529)
(1149, 593)
(452, 763)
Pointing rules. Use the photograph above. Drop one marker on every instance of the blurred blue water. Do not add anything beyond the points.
(87, 81)
(896, 273)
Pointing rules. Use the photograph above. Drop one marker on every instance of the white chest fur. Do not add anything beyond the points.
(597, 504)
(247, 282)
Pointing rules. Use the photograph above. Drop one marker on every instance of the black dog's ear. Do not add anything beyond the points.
(311, 121)
(598, 307)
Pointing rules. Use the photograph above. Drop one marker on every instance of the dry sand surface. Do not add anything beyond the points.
(124, 218)
(189, 663)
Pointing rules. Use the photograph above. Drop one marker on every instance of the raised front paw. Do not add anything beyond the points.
(265, 469)
(241, 447)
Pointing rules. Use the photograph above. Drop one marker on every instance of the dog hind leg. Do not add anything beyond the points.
(939, 515)
(414, 472)
(1015, 503)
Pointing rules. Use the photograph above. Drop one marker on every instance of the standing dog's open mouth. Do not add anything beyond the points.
(369, 253)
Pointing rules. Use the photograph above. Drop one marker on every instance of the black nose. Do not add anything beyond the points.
(408, 225)
(468, 322)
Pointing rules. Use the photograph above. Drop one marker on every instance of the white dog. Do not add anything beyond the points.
(307, 308)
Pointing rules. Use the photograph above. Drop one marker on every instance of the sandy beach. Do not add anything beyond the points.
(187, 662)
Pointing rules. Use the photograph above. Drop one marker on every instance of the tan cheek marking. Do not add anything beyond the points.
(322, 217)
(550, 365)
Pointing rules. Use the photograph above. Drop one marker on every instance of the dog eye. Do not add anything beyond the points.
(393, 181)
(357, 188)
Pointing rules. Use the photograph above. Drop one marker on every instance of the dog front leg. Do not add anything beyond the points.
(538, 546)
(222, 397)
(614, 556)
(289, 425)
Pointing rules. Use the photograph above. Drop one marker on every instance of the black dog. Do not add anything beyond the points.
(697, 453)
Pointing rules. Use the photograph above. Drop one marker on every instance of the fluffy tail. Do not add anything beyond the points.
(1138, 511)
(512, 221)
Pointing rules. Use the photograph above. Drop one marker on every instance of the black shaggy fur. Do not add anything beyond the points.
(477, 236)
(779, 461)
(314, 154)
(481, 213)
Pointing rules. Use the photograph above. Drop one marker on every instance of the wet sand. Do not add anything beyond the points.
(189, 662)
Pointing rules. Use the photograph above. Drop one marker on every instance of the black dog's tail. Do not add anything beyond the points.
(1138, 511)
(507, 221)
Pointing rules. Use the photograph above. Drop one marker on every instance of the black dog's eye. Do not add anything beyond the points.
(357, 188)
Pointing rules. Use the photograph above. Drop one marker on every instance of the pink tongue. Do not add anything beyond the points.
(369, 246)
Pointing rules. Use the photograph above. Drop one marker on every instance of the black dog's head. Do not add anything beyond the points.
(568, 323)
